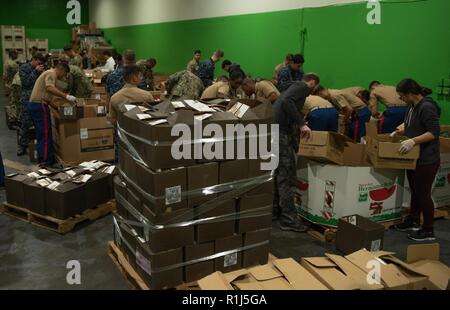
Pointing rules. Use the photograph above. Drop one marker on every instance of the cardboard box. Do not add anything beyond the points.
(302, 185)
(149, 262)
(197, 271)
(342, 127)
(280, 274)
(199, 177)
(425, 258)
(232, 171)
(35, 198)
(98, 190)
(325, 147)
(254, 170)
(168, 238)
(230, 262)
(260, 254)
(216, 230)
(14, 189)
(128, 243)
(165, 186)
(390, 275)
(337, 273)
(84, 140)
(120, 188)
(355, 155)
(335, 192)
(66, 201)
(356, 232)
(262, 219)
(383, 151)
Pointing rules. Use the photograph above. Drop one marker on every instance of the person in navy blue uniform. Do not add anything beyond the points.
(291, 73)
(207, 68)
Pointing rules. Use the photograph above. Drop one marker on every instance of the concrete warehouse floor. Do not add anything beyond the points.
(33, 258)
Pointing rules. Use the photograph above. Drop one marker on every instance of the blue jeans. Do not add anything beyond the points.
(324, 120)
(40, 113)
(392, 118)
(358, 125)
(2, 171)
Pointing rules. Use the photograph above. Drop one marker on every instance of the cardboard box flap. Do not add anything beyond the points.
(408, 268)
(262, 111)
(248, 284)
(372, 129)
(215, 282)
(232, 276)
(164, 107)
(266, 272)
(320, 262)
(353, 272)
(419, 252)
(391, 150)
(382, 253)
(438, 273)
(297, 276)
(319, 138)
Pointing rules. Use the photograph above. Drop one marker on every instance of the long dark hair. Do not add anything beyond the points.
(409, 86)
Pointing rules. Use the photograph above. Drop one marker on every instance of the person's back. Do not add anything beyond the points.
(216, 90)
(82, 86)
(184, 85)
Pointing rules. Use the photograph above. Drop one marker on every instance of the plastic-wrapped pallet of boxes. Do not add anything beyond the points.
(180, 220)
(61, 194)
(81, 132)
(337, 178)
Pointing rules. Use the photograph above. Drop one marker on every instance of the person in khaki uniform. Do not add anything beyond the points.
(262, 89)
(194, 64)
(130, 93)
(43, 92)
(232, 89)
(395, 107)
(352, 102)
(320, 114)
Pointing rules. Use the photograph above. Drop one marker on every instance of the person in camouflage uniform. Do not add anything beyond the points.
(79, 85)
(14, 109)
(10, 68)
(75, 59)
(184, 85)
(194, 64)
(28, 73)
(147, 71)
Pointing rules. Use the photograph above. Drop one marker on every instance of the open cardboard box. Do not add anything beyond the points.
(383, 150)
(325, 147)
(280, 274)
(394, 274)
(425, 258)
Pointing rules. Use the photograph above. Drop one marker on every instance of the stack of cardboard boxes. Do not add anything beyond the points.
(181, 219)
(81, 132)
(338, 178)
(61, 194)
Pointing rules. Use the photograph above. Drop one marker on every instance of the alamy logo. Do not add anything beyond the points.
(374, 16)
(74, 15)
(374, 274)
(237, 142)
(74, 275)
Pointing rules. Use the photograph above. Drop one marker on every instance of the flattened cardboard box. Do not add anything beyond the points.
(280, 274)
(324, 146)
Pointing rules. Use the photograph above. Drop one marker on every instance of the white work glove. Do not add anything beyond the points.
(407, 146)
(71, 98)
(306, 133)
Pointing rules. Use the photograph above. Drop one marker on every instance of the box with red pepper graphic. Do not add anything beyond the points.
(334, 192)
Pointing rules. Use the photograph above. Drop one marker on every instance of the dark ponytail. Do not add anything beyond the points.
(409, 86)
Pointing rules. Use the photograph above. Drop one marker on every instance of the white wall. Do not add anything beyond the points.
(119, 13)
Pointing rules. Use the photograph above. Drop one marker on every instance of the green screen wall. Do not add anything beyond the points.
(43, 19)
(412, 41)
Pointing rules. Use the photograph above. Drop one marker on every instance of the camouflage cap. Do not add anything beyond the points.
(64, 58)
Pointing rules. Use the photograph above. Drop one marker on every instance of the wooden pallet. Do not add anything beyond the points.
(56, 225)
(134, 279)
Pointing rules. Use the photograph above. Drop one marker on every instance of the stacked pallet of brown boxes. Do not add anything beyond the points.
(81, 132)
(179, 220)
(61, 194)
